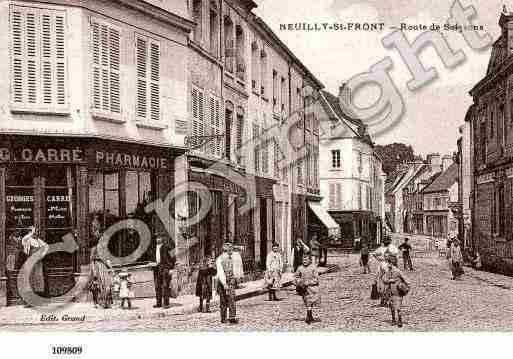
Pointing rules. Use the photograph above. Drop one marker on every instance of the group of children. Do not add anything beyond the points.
(121, 290)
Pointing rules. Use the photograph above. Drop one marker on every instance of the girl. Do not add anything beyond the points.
(94, 288)
(31, 244)
(364, 259)
(396, 288)
(380, 255)
(125, 292)
(274, 266)
(456, 259)
(204, 283)
(307, 284)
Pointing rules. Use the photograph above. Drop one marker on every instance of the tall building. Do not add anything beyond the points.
(490, 126)
(94, 100)
(352, 178)
(112, 110)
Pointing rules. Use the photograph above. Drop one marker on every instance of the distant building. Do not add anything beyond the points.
(491, 119)
(351, 174)
(439, 199)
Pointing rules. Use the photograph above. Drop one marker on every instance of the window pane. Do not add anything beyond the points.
(95, 191)
(131, 192)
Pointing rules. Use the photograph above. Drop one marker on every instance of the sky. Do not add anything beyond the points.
(434, 113)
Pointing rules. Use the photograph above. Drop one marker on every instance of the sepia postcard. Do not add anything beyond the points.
(256, 165)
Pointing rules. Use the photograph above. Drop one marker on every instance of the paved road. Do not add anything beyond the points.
(435, 303)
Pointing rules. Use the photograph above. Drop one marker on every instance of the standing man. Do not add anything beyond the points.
(315, 249)
(165, 259)
(226, 284)
(406, 248)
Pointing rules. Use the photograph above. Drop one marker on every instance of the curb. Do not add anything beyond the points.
(155, 314)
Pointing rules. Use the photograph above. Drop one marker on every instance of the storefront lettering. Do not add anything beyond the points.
(489, 177)
(130, 161)
(47, 155)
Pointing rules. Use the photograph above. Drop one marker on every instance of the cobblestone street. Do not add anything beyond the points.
(480, 301)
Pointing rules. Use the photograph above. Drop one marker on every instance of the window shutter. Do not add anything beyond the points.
(212, 145)
(332, 194)
(155, 81)
(201, 116)
(219, 128)
(32, 58)
(339, 196)
(96, 66)
(105, 81)
(115, 91)
(141, 77)
(17, 25)
(60, 61)
(46, 58)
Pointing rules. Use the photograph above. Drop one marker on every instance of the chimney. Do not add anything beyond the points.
(434, 160)
(446, 162)
(506, 24)
(344, 95)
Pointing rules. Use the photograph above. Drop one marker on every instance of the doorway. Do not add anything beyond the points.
(263, 232)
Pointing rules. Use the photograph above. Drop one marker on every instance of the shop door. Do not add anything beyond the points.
(42, 196)
(263, 232)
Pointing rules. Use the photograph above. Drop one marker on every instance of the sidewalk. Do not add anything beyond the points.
(141, 309)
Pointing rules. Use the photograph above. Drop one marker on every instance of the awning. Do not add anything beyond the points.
(325, 218)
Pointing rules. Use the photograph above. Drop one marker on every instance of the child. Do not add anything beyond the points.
(204, 283)
(477, 261)
(125, 292)
(115, 290)
(364, 259)
(396, 288)
(94, 288)
(307, 285)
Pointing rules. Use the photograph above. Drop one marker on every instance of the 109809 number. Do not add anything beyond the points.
(66, 350)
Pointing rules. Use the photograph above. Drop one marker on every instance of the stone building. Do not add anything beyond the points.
(94, 106)
(352, 177)
(109, 107)
(492, 138)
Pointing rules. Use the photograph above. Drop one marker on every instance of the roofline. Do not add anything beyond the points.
(268, 31)
(337, 116)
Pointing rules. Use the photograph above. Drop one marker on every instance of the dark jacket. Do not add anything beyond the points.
(204, 282)
(167, 256)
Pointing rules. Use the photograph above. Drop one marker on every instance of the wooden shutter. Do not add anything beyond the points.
(18, 55)
(106, 66)
(339, 196)
(142, 82)
(212, 145)
(38, 56)
(114, 56)
(331, 196)
(155, 81)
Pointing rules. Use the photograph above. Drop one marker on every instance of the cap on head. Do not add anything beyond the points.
(227, 246)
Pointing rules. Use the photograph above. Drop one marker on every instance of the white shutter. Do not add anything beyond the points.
(96, 66)
(106, 65)
(114, 56)
(142, 84)
(32, 57)
(219, 128)
(201, 116)
(155, 81)
(38, 57)
(212, 145)
(18, 55)
(339, 204)
(331, 196)
(60, 61)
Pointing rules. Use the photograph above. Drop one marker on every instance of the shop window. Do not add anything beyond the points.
(118, 195)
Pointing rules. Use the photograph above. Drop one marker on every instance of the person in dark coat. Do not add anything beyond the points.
(300, 248)
(204, 284)
(162, 272)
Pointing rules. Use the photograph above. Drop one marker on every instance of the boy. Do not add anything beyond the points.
(405, 248)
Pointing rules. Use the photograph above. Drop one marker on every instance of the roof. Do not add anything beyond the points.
(444, 181)
(335, 104)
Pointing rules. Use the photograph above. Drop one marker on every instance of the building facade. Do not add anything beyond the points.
(352, 178)
(492, 177)
(93, 100)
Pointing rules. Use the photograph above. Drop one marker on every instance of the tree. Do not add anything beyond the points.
(394, 154)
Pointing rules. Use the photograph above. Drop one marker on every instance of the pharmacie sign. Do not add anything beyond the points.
(42, 155)
(121, 159)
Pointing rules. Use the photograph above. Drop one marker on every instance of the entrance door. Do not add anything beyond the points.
(42, 196)
(263, 232)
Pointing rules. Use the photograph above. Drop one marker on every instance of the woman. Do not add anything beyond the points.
(387, 248)
(274, 266)
(300, 248)
(456, 259)
(307, 285)
(393, 279)
(31, 243)
(101, 270)
(315, 248)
